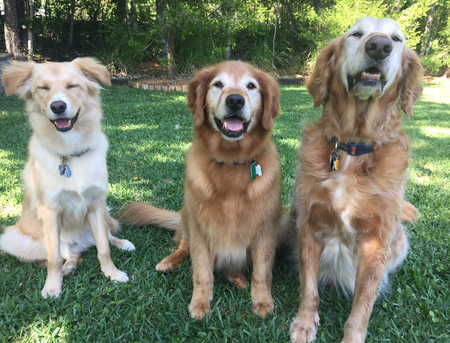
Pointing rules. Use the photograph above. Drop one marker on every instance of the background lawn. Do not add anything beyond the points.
(149, 135)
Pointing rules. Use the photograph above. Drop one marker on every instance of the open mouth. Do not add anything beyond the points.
(65, 124)
(233, 126)
(370, 77)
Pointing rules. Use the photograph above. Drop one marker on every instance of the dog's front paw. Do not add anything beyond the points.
(304, 328)
(127, 245)
(262, 308)
(169, 263)
(199, 308)
(117, 276)
(51, 291)
(68, 269)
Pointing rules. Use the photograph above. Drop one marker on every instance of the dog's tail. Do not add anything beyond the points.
(24, 247)
(408, 212)
(286, 228)
(140, 214)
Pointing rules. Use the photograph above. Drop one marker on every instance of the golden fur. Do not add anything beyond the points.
(349, 220)
(227, 219)
(63, 216)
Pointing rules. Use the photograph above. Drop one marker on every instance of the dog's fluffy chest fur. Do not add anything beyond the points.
(226, 221)
(87, 184)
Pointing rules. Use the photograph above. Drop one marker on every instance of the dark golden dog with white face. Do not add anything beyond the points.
(231, 214)
(348, 202)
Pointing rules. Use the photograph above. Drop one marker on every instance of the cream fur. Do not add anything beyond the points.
(61, 216)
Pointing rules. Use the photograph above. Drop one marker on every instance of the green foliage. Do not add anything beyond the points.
(149, 134)
(202, 32)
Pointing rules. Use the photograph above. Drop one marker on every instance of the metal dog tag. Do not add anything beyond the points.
(255, 169)
(68, 172)
(334, 160)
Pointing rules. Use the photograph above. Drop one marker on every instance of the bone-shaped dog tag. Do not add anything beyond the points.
(255, 169)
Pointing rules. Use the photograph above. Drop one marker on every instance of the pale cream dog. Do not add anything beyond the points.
(65, 179)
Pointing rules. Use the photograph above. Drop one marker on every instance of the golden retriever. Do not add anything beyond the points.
(353, 166)
(231, 214)
(65, 179)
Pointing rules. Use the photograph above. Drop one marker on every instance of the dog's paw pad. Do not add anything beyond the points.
(48, 292)
(262, 309)
(118, 276)
(304, 331)
(68, 270)
(128, 246)
(199, 309)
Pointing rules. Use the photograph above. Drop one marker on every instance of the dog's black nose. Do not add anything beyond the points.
(58, 107)
(378, 47)
(235, 101)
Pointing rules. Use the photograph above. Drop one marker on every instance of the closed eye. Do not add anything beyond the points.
(71, 86)
(45, 88)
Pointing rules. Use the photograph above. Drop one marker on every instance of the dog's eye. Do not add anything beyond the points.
(45, 88)
(396, 39)
(251, 85)
(218, 84)
(356, 34)
(71, 86)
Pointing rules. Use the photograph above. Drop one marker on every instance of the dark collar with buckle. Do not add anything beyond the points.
(255, 168)
(354, 149)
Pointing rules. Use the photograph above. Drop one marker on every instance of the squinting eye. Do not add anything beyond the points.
(251, 85)
(356, 34)
(71, 86)
(396, 39)
(45, 88)
(218, 84)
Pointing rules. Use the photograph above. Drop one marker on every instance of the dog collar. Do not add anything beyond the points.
(64, 168)
(354, 149)
(235, 163)
(255, 168)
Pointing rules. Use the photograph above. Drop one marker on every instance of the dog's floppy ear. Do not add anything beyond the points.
(17, 79)
(410, 81)
(271, 99)
(197, 93)
(325, 68)
(93, 70)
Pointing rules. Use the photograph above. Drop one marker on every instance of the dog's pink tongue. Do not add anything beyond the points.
(62, 123)
(233, 124)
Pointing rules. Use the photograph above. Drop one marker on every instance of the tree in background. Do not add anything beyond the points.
(12, 38)
(282, 36)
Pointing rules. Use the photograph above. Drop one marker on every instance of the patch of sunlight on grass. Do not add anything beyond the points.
(433, 131)
(440, 95)
(292, 142)
(136, 127)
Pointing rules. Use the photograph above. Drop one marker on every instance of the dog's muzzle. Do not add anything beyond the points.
(233, 125)
(64, 124)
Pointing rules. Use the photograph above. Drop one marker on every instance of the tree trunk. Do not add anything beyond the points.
(430, 31)
(171, 56)
(12, 37)
(275, 34)
(134, 22)
(395, 7)
(30, 12)
(71, 21)
(161, 14)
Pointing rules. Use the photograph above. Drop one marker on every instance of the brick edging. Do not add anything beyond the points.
(140, 85)
(184, 88)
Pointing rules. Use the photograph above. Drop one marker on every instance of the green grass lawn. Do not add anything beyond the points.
(149, 135)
